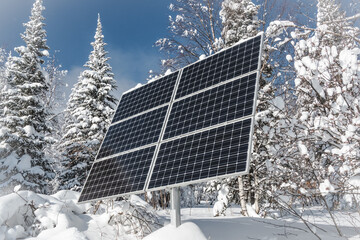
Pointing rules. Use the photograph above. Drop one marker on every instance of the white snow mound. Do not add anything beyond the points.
(188, 231)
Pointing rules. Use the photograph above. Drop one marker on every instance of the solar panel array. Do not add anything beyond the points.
(189, 126)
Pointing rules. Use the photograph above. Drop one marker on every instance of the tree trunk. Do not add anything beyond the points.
(242, 196)
(256, 194)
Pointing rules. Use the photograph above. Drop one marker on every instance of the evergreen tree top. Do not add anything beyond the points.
(97, 58)
(34, 35)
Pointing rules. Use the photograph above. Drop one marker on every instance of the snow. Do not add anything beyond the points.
(132, 89)
(279, 102)
(29, 131)
(277, 27)
(186, 231)
(17, 188)
(289, 58)
(202, 57)
(222, 201)
(235, 226)
(355, 181)
(56, 217)
(59, 217)
(303, 149)
(326, 187)
(168, 72)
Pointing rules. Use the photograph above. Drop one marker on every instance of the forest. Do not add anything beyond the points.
(305, 164)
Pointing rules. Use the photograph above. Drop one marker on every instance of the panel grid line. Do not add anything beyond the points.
(138, 114)
(126, 152)
(163, 130)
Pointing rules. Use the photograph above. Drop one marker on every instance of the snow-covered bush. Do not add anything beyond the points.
(134, 217)
(222, 201)
(59, 216)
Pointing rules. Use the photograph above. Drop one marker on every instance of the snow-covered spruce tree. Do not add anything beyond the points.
(88, 115)
(2, 66)
(2, 73)
(193, 31)
(327, 90)
(23, 121)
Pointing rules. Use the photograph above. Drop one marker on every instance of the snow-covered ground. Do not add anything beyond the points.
(26, 215)
(198, 223)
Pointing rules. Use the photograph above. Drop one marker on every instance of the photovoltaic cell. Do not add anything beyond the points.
(134, 132)
(118, 175)
(217, 105)
(225, 65)
(146, 97)
(215, 152)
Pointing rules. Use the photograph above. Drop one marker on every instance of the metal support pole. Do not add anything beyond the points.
(175, 207)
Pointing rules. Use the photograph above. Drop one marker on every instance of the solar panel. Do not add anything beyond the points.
(225, 65)
(192, 125)
(224, 103)
(215, 152)
(136, 101)
(118, 175)
(133, 133)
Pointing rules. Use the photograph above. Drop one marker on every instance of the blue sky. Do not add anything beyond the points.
(130, 29)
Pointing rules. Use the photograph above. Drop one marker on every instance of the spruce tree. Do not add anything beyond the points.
(2, 73)
(23, 121)
(88, 115)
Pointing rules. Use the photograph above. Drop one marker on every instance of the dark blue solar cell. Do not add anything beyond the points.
(215, 152)
(217, 105)
(134, 132)
(118, 175)
(146, 97)
(220, 67)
